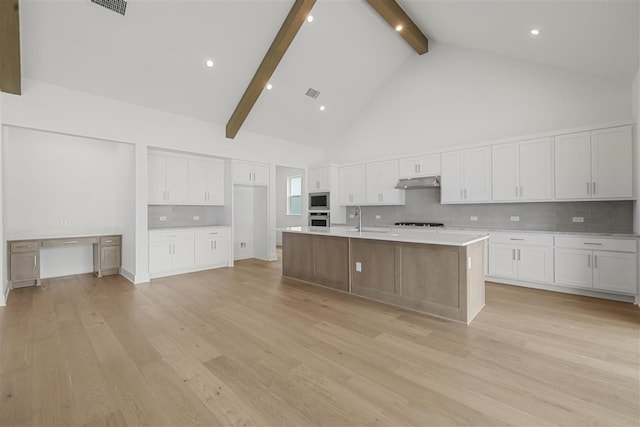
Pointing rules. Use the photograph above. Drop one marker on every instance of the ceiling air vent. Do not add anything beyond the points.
(118, 6)
(313, 93)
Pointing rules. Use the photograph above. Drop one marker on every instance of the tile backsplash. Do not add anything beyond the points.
(424, 206)
(182, 216)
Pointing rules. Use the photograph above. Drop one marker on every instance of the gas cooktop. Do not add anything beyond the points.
(419, 224)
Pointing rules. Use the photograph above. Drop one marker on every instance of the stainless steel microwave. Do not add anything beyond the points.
(319, 201)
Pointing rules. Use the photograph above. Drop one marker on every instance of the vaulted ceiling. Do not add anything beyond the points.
(155, 55)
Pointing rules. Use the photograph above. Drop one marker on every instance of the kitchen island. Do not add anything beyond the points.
(439, 274)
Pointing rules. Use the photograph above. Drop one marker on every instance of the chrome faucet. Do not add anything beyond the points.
(359, 215)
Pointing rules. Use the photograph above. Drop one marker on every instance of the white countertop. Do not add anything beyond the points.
(394, 235)
(58, 234)
(188, 228)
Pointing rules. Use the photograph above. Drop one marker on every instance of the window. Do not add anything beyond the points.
(294, 195)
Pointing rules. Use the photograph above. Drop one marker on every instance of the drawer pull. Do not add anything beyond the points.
(171, 235)
(108, 241)
(71, 242)
(213, 233)
(515, 239)
(596, 244)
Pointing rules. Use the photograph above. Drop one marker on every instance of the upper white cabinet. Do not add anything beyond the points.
(250, 173)
(594, 165)
(352, 185)
(522, 171)
(206, 182)
(168, 179)
(466, 176)
(381, 179)
(319, 179)
(413, 167)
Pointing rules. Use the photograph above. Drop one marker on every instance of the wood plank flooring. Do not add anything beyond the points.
(243, 347)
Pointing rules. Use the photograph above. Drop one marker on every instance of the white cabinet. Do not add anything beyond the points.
(168, 179)
(319, 179)
(521, 256)
(413, 167)
(213, 247)
(206, 182)
(466, 176)
(170, 251)
(594, 263)
(522, 171)
(381, 179)
(250, 174)
(594, 165)
(352, 185)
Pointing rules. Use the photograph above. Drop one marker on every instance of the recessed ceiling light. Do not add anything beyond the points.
(309, 18)
(269, 86)
(209, 63)
(535, 32)
(322, 108)
(399, 27)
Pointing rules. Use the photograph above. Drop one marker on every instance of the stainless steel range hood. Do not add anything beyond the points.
(415, 183)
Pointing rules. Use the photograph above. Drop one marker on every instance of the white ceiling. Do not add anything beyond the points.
(154, 56)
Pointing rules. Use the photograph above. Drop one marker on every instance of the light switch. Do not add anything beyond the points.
(578, 219)
(359, 267)
(196, 218)
(163, 218)
(515, 218)
(473, 218)
(378, 217)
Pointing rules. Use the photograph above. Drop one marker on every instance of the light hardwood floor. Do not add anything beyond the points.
(243, 347)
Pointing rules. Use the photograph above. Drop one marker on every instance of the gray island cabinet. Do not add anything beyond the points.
(437, 274)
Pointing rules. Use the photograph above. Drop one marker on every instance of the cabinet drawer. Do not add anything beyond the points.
(170, 236)
(213, 233)
(110, 241)
(521, 239)
(72, 241)
(621, 245)
(26, 246)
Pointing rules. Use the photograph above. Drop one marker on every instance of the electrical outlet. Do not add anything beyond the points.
(473, 218)
(163, 218)
(515, 218)
(578, 219)
(70, 223)
(359, 267)
(243, 244)
(352, 216)
(196, 218)
(378, 217)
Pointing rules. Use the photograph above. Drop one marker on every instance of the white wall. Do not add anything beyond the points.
(282, 219)
(635, 102)
(50, 178)
(250, 222)
(453, 96)
(3, 251)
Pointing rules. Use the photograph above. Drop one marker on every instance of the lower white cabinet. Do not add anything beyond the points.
(523, 257)
(183, 251)
(612, 267)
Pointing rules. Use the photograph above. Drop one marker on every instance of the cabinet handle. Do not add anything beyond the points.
(461, 194)
(518, 254)
(596, 244)
(71, 242)
(595, 261)
(419, 168)
(521, 193)
(513, 254)
(215, 244)
(254, 177)
(588, 261)
(516, 191)
(211, 244)
(513, 238)
(465, 194)
(594, 188)
(588, 188)
(35, 263)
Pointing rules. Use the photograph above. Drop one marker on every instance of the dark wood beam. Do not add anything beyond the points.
(391, 12)
(274, 55)
(10, 75)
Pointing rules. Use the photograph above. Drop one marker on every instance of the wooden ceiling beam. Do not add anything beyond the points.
(393, 13)
(10, 74)
(290, 27)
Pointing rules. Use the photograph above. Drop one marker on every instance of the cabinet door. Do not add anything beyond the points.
(373, 174)
(502, 261)
(204, 252)
(535, 170)
(408, 168)
(177, 180)
(157, 176)
(612, 162)
(319, 179)
(197, 182)
(535, 263)
(387, 183)
(110, 257)
(615, 272)
(477, 175)
(573, 268)
(183, 254)
(215, 182)
(429, 165)
(451, 190)
(352, 185)
(261, 175)
(221, 251)
(159, 257)
(505, 161)
(573, 166)
(24, 266)
(242, 173)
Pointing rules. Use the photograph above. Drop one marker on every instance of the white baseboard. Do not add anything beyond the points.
(5, 297)
(184, 271)
(128, 275)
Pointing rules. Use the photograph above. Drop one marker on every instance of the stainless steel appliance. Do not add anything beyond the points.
(319, 201)
(415, 183)
(419, 224)
(319, 219)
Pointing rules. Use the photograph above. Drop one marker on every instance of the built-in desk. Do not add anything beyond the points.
(24, 256)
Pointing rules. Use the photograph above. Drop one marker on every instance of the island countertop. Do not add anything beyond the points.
(406, 236)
